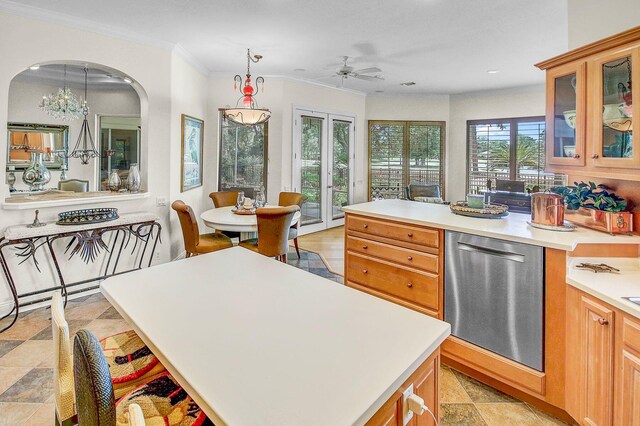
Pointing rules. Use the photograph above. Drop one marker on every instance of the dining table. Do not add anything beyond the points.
(224, 219)
(255, 341)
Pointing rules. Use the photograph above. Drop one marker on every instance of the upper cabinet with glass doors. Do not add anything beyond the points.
(590, 109)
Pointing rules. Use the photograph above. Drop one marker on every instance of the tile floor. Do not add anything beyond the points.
(26, 357)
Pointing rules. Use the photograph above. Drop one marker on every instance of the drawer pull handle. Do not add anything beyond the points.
(603, 321)
(364, 271)
(409, 285)
(410, 235)
(409, 258)
(595, 156)
(365, 226)
(365, 247)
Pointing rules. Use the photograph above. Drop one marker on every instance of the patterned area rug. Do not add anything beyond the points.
(312, 262)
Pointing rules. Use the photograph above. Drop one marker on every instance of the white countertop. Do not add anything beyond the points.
(255, 341)
(513, 227)
(610, 288)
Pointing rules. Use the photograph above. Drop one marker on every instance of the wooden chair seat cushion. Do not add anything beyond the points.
(212, 242)
(130, 361)
(163, 402)
(251, 244)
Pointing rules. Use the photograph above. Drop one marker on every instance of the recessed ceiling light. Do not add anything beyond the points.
(379, 91)
(34, 67)
(493, 71)
(299, 70)
(408, 83)
(127, 80)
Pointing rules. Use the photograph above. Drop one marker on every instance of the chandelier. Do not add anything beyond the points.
(85, 149)
(63, 104)
(248, 114)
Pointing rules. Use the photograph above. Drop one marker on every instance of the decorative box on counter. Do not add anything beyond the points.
(611, 222)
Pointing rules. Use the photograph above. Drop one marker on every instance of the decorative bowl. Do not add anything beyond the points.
(87, 216)
(489, 211)
(570, 118)
(569, 151)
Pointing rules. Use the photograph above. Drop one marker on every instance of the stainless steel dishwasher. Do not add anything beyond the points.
(494, 295)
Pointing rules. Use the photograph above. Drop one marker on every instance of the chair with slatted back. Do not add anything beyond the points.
(273, 231)
(293, 199)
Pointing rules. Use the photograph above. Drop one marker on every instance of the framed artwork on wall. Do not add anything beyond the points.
(192, 142)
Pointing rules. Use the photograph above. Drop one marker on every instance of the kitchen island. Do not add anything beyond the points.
(398, 250)
(258, 342)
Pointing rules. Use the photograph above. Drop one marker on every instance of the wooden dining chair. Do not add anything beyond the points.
(273, 232)
(161, 399)
(224, 198)
(194, 242)
(293, 199)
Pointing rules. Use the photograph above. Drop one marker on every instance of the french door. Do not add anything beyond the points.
(323, 155)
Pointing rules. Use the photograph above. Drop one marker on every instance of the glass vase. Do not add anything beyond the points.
(134, 179)
(114, 182)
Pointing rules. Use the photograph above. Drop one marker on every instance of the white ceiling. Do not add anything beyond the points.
(444, 46)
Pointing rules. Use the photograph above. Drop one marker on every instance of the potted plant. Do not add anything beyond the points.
(594, 206)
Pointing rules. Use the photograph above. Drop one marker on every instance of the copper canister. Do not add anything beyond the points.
(547, 209)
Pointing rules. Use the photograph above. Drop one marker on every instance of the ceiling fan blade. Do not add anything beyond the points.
(371, 70)
(367, 77)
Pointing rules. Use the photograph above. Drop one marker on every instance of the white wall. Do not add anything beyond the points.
(592, 20)
(518, 102)
(24, 99)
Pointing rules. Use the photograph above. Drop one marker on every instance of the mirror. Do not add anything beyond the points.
(46, 114)
(24, 138)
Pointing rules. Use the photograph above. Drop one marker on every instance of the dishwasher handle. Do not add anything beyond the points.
(515, 257)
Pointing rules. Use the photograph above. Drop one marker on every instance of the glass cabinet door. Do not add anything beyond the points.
(566, 115)
(613, 127)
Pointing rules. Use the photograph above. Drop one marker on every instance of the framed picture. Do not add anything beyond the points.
(192, 141)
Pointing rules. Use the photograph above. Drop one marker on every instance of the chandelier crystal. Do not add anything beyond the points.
(248, 114)
(63, 104)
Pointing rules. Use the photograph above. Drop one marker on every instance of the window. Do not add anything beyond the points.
(120, 135)
(404, 152)
(243, 156)
(508, 149)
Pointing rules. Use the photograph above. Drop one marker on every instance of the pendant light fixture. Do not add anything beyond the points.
(85, 149)
(247, 114)
(63, 104)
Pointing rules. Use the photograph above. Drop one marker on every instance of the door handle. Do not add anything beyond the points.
(493, 252)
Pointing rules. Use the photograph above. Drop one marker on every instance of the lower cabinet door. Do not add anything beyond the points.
(597, 350)
(628, 380)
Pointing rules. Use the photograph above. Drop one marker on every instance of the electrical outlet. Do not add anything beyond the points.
(407, 414)
(161, 201)
(158, 255)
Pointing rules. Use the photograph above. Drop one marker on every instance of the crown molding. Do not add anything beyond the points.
(15, 8)
(179, 50)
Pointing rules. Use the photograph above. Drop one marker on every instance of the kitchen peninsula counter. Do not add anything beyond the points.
(513, 227)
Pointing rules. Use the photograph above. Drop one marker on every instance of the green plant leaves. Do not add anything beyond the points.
(590, 196)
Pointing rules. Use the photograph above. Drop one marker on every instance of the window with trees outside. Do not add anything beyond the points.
(404, 152)
(508, 149)
(243, 156)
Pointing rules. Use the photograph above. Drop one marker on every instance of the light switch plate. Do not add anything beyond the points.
(406, 414)
(161, 201)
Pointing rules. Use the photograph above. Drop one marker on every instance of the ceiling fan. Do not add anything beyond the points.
(347, 71)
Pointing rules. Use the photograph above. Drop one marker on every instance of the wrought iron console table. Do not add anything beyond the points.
(86, 241)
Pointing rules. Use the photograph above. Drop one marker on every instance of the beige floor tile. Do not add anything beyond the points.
(106, 327)
(88, 310)
(43, 416)
(460, 414)
(25, 328)
(508, 414)
(451, 391)
(29, 354)
(547, 419)
(479, 392)
(16, 413)
(10, 375)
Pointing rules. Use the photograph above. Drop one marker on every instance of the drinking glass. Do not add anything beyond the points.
(259, 202)
(240, 200)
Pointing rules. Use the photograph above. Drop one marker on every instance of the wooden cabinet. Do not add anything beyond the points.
(590, 109)
(398, 262)
(627, 408)
(426, 385)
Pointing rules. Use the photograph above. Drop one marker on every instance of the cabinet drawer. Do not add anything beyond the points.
(416, 287)
(403, 256)
(394, 231)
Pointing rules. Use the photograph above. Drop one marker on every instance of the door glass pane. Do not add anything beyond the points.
(340, 167)
(242, 156)
(121, 135)
(564, 116)
(386, 157)
(425, 154)
(311, 183)
(617, 141)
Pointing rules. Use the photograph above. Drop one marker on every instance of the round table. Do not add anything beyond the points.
(223, 219)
